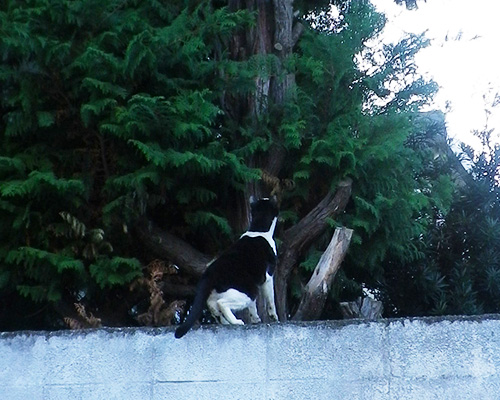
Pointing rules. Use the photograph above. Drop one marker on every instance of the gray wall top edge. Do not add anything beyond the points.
(330, 324)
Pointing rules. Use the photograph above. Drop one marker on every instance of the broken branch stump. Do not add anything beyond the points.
(316, 291)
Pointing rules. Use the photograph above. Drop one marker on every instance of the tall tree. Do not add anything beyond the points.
(137, 130)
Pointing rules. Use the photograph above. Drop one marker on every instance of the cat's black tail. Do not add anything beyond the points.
(202, 293)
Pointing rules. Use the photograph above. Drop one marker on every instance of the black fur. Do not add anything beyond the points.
(242, 267)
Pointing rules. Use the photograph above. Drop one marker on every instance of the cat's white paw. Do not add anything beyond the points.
(239, 322)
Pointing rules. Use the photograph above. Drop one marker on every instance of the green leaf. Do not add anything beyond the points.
(104, 88)
(45, 119)
(109, 272)
(203, 218)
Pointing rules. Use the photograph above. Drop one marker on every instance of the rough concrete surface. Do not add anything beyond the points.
(430, 358)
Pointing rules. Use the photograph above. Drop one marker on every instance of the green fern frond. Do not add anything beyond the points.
(95, 108)
(200, 219)
(139, 52)
(35, 182)
(199, 194)
(97, 59)
(45, 119)
(39, 293)
(12, 164)
(104, 88)
(29, 257)
(109, 272)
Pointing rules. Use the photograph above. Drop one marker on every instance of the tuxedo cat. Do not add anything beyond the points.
(232, 282)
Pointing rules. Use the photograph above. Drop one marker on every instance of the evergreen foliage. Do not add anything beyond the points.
(460, 271)
(371, 124)
(109, 110)
(114, 112)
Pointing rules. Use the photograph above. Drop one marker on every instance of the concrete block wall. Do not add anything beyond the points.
(431, 358)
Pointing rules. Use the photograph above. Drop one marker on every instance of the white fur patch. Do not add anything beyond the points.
(222, 305)
(266, 235)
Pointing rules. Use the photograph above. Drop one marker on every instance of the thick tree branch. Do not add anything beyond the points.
(299, 238)
(177, 290)
(316, 290)
(169, 247)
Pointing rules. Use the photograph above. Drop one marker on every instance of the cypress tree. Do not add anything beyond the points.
(121, 119)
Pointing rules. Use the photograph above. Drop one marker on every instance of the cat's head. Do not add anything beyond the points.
(262, 213)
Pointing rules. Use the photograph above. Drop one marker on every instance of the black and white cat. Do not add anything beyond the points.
(232, 282)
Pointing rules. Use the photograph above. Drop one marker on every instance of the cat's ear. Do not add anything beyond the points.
(274, 199)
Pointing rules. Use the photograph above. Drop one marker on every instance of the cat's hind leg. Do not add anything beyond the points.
(230, 300)
(228, 315)
(214, 309)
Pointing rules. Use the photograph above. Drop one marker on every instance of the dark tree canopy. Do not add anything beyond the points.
(133, 133)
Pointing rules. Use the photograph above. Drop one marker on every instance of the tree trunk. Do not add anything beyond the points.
(316, 290)
(297, 239)
(273, 34)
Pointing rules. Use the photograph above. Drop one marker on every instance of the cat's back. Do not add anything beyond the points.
(251, 249)
(248, 255)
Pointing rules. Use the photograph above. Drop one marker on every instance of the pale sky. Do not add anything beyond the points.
(466, 69)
